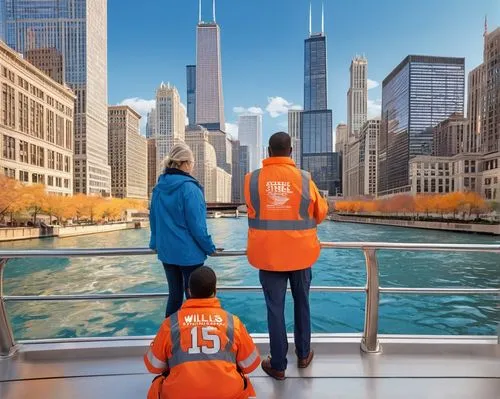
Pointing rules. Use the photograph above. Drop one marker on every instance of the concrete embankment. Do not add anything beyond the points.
(27, 233)
(492, 229)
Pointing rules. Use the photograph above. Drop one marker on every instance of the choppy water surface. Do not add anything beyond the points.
(338, 312)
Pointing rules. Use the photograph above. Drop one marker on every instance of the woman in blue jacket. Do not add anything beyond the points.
(178, 224)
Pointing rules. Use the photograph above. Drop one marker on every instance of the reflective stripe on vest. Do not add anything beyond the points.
(258, 224)
(179, 356)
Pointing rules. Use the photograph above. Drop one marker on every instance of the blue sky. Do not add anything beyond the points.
(263, 41)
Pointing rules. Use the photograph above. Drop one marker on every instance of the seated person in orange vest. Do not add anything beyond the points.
(202, 351)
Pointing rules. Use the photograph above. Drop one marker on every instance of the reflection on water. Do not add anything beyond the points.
(339, 312)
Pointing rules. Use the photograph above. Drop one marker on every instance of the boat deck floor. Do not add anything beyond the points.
(423, 368)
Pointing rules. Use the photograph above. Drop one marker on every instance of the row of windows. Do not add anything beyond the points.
(33, 120)
(35, 91)
(31, 153)
(37, 178)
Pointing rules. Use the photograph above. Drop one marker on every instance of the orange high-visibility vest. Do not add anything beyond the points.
(202, 351)
(284, 208)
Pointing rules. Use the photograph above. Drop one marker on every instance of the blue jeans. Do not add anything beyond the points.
(274, 285)
(178, 279)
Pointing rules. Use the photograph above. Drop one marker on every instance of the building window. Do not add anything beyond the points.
(67, 166)
(58, 182)
(59, 130)
(50, 159)
(8, 106)
(50, 180)
(23, 151)
(69, 135)
(9, 172)
(23, 113)
(9, 147)
(66, 183)
(59, 162)
(24, 176)
(37, 178)
(50, 126)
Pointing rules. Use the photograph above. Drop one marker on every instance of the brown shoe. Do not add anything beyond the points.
(276, 374)
(306, 361)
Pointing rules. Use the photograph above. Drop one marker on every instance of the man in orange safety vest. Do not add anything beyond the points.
(284, 208)
(202, 351)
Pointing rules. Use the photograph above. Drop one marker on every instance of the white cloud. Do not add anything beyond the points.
(251, 110)
(374, 108)
(279, 106)
(372, 84)
(141, 106)
(232, 129)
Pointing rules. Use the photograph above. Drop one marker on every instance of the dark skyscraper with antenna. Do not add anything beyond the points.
(316, 130)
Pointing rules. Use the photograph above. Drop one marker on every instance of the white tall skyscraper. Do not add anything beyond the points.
(78, 30)
(216, 182)
(294, 117)
(357, 97)
(209, 98)
(250, 134)
(170, 120)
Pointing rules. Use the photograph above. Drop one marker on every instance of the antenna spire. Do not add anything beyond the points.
(322, 18)
(310, 18)
(199, 11)
(485, 25)
(213, 6)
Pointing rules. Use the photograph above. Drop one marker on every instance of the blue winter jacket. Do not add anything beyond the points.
(178, 220)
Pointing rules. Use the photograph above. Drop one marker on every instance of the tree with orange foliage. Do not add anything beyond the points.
(474, 203)
(55, 206)
(11, 193)
(34, 197)
(79, 206)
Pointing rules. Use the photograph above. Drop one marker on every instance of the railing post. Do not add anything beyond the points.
(369, 342)
(7, 342)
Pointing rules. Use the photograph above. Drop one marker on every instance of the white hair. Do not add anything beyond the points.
(179, 154)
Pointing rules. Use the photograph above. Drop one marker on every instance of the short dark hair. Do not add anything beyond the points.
(202, 282)
(280, 144)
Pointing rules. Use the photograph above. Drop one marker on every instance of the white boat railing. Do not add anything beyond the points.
(372, 289)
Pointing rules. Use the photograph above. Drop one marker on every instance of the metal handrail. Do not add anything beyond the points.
(369, 341)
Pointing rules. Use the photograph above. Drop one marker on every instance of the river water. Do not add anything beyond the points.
(331, 312)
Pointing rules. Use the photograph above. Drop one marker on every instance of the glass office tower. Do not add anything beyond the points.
(418, 94)
(191, 93)
(316, 124)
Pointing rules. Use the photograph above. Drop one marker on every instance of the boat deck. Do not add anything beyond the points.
(408, 367)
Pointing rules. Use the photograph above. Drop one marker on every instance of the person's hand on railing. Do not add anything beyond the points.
(217, 251)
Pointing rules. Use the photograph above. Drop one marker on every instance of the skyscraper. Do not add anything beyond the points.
(316, 125)
(250, 135)
(128, 154)
(206, 162)
(418, 94)
(78, 30)
(191, 93)
(216, 181)
(357, 96)
(294, 118)
(209, 98)
(241, 166)
(490, 134)
(170, 119)
(368, 155)
(48, 60)
(476, 105)
(152, 165)
(151, 124)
